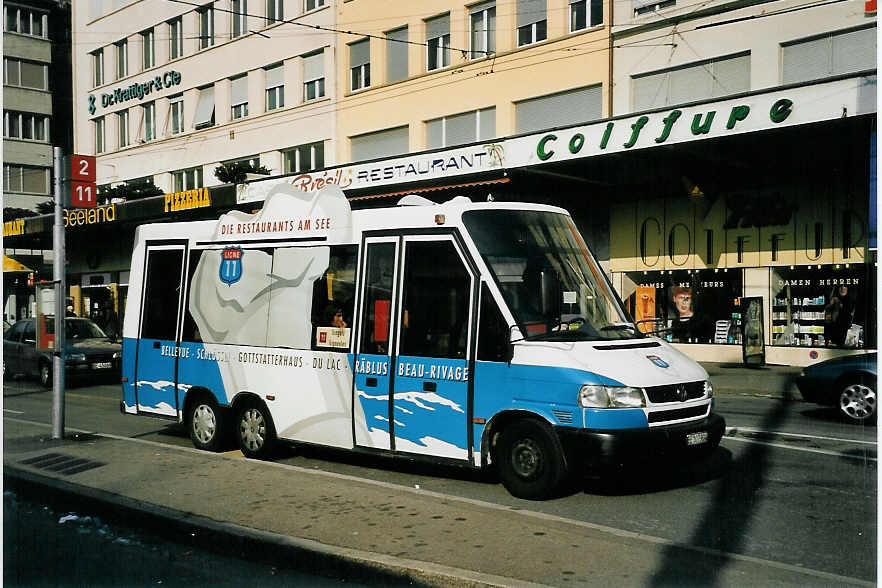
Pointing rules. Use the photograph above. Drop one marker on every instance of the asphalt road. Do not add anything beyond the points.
(790, 483)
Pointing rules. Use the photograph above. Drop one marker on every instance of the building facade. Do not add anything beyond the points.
(712, 153)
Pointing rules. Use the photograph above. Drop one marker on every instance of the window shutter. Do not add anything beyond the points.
(359, 53)
(731, 76)
(462, 128)
(854, 51)
(650, 91)
(805, 61)
(239, 90)
(435, 133)
(380, 144)
(555, 110)
(396, 55)
(314, 67)
(204, 108)
(487, 123)
(530, 11)
(690, 83)
(275, 76)
(438, 27)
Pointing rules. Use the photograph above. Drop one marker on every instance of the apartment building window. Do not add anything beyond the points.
(836, 53)
(98, 68)
(176, 114)
(239, 97)
(482, 18)
(206, 26)
(148, 59)
(385, 143)
(204, 117)
(240, 18)
(100, 144)
(360, 64)
(458, 129)
(148, 113)
(313, 4)
(122, 121)
(304, 158)
(186, 179)
(25, 179)
(175, 38)
(274, 11)
(25, 74)
(122, 59)
(648, 6)
(712, 78)
(25, 21)
(275, 86)
(396, 55)
(313, 76)
(438, 42)
(585, 13)
(532, 22)
(559, 109)
(26, 125)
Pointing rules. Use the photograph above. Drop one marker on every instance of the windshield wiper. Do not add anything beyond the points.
(621, 327)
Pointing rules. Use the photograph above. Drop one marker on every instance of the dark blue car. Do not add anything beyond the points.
(847, 382)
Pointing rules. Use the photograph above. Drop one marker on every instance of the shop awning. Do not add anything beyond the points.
(502, 180)
(10, 265)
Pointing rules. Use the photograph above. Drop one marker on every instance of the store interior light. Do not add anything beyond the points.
(692, 190)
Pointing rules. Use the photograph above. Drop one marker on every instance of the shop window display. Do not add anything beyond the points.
(701, 306)
(820, 307)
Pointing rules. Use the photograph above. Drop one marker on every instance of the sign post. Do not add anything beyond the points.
(81, 179)
(58, 277)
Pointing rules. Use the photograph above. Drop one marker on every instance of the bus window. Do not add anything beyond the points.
(493, 332)
(161, 294)
(333, 297)
(437, 291)
(191, 331)
(378, 298)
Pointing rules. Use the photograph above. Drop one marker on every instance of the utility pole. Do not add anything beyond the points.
(58, 263)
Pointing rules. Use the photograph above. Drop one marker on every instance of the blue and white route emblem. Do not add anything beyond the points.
(658, 361)
(231, 265)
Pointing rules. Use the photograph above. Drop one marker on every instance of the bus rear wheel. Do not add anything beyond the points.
(255, 430)
(530, 463)
(205, 422)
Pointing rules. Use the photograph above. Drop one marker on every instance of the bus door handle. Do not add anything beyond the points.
(156, 345)
(429, 386)
(372, 382)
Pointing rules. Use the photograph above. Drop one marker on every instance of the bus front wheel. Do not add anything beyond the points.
(255, 430)
(205, 423)
(530, 462)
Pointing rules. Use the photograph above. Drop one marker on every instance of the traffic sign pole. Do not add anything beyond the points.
(58, 277)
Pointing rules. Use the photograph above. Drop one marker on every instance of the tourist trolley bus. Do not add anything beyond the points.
(483, 334)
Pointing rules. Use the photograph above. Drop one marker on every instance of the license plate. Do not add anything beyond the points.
(103, 365)
(696, 438)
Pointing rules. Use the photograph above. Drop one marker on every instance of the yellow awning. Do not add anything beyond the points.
(10, 265)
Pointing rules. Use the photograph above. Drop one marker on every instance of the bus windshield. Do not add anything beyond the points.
(551, 283)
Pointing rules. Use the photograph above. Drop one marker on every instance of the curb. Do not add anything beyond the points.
(238, 541)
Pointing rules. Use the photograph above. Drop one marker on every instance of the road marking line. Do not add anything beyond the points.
(12, 411)
(514, 510)
(806, 449)
(744, 430)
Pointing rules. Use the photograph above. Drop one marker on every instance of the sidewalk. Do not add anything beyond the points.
(776, 381)
(319, 521)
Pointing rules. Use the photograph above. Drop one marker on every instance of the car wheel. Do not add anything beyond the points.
(857, 401)
(45, 374)
(530, 463)
(255, 430)
(205, 422)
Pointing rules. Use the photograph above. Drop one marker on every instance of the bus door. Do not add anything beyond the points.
(373, 359)
(431, 407)
(157, 352)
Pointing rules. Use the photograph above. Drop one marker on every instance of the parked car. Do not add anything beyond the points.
(847, 382)
(88, 351)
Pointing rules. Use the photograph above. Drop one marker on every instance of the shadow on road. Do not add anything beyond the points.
(726, 522)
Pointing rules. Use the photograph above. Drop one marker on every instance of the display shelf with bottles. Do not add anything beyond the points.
(798, 321)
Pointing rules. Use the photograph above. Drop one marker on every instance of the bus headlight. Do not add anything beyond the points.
(595, 396)
(708, 389)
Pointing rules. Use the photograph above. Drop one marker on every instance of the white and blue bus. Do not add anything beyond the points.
(472, 333)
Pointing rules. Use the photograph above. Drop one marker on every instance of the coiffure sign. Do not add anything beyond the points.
(137, 90)
(746, 114)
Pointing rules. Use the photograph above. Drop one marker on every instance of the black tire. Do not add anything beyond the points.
(254, 430)
(529, 460)
(206, 423)
(856, 400)
(44, 374)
